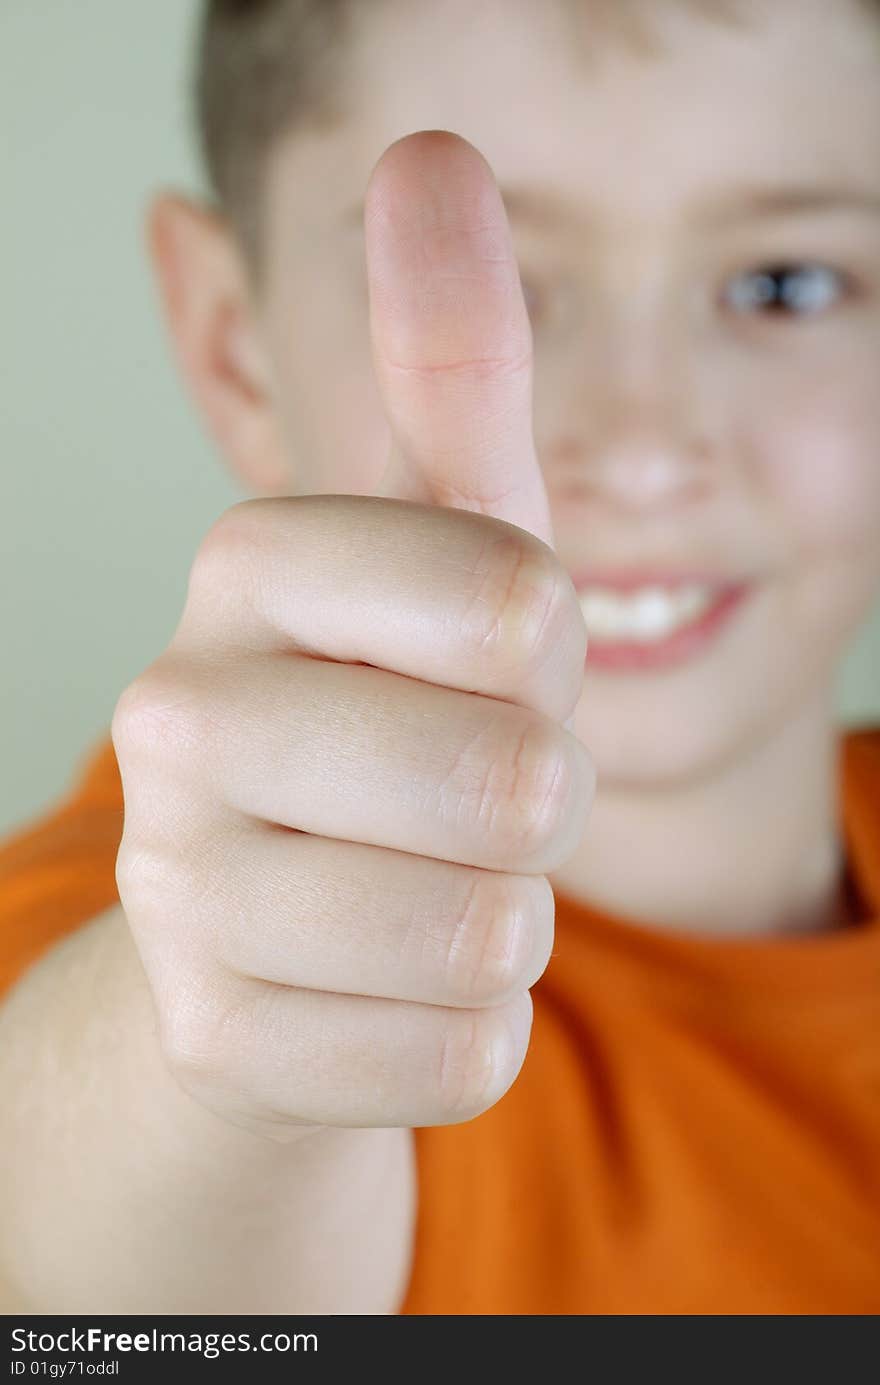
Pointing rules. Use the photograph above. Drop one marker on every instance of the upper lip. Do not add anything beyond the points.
(629, 579)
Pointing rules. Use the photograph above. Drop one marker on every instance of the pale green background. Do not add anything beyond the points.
(106, 482)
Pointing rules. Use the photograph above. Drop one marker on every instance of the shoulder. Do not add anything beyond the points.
(58, 870)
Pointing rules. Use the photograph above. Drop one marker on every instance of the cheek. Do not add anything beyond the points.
(822, 466)
(326, 399)
(820, 475)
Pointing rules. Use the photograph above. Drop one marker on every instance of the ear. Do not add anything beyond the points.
(206, 296)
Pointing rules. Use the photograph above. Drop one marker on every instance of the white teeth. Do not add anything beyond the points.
(652, 614)
(648, 614)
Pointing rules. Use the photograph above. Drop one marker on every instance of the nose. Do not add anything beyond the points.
(644, 463)
(640, 439)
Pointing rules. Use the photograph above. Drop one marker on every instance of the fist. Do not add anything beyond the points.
(349, 773)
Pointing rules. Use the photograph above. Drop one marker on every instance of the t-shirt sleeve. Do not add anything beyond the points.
(58, 871)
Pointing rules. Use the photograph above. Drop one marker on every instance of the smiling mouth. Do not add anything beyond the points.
(634, 624)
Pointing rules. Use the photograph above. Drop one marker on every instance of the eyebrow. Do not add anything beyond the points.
(545, 207)
(775, 200)
(741, 203)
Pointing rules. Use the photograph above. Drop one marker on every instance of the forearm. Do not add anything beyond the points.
(119, 1193)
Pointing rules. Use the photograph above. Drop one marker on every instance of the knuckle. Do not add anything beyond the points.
(523, 792)
(225, 556)
(162, 712)
(130, 715)
(467, 1063)
(479, 1058)
(512, 615)
(231, 532)
(160, 878)
(143, 873)
(491, 943)
(195, 1042)
(213, 1042)
(540, 787)
(542, 902)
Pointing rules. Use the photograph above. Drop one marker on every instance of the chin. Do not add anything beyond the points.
(652, 758)
(711, 708)
(659, 733)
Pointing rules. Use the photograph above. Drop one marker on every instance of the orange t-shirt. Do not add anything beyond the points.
(696, 1127)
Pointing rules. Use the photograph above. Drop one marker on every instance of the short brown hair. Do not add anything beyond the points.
(261, 67)
(264, 66)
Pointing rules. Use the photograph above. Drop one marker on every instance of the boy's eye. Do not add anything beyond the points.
(785, 289)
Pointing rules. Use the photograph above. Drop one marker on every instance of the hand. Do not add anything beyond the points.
(348, 774)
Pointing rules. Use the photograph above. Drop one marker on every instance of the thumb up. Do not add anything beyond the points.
(450, 334)
(451, 338)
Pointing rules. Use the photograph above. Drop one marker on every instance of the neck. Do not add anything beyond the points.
(753, 849)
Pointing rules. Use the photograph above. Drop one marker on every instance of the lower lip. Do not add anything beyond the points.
(680, 645)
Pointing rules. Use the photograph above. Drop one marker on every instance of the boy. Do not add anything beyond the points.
(287, 1070)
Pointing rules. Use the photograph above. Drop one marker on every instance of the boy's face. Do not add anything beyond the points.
(680, 425)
